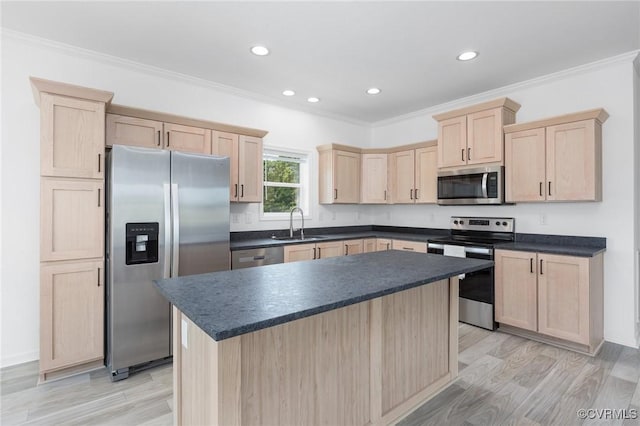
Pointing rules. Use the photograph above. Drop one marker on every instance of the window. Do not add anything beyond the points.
(285, 183)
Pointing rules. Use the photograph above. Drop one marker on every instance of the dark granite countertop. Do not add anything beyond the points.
(568, 250)
(230, 303)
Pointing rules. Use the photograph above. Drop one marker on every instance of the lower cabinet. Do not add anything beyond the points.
(369, 245)
(353, 247)
(383, 244)
(298, 252)
(409, 246)
(71, 314)
(554, 296)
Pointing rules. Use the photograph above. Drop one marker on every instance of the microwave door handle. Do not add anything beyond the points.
(485, 176)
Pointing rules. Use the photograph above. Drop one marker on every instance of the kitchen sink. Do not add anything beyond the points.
(298, 238)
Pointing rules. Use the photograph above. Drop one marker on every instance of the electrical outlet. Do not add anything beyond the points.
(235, 218)
(543, 218)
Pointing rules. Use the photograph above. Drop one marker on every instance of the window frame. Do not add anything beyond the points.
(302, 157)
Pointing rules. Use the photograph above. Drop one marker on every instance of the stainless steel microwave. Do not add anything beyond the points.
(483, 185)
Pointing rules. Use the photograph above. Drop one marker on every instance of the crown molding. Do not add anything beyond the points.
(627, 57)
(164, 73)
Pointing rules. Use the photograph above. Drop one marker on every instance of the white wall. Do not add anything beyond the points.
(636, 114)
(609, 85)
(138, 87)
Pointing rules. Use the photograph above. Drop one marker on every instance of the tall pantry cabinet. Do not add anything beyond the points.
(72, 141)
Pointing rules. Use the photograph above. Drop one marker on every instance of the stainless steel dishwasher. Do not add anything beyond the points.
(256, 257)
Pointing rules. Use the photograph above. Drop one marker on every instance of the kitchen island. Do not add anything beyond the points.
(350, 340)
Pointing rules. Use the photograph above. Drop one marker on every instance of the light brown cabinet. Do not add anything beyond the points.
(339, 174)
(558, 297)
(414, 176)
(474, 135)
(353, 247)
(409, 246)
(557, 159)
(383, 244)
(374, 179)
(71, 314)
(72, 219)
(245, 165)
(298, 252)
(369, 245)
(133, 131)
(72, 137)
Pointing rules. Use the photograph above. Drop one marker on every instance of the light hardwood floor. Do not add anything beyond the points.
(503, 379)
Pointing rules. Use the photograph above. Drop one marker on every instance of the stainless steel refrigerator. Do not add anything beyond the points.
(167, 216)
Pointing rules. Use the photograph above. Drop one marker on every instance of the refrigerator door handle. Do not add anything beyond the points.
(166, 273)
(175, 220)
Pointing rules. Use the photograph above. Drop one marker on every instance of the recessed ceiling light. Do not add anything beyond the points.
(288, 93)
(373, 91)
(467, 56)
(259, 50)
(313, 100)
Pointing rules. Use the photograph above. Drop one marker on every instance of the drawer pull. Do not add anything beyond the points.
(541, 267)
(159, 136)
(468, 154)
(462, 154)
(531, 265)
(168, 133)
(314, 253)
(408, 248)
(346, 249)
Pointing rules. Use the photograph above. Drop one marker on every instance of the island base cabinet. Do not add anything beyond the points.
(368, 363)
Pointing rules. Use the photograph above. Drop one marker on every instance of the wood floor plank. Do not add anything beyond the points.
(628, 365)
(482, 347)
(633, 416)
(616, 394)
(471, 338)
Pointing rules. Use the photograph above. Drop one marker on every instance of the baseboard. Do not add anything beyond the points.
(12, 360)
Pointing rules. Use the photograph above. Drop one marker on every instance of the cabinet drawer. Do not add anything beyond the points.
(409, 246)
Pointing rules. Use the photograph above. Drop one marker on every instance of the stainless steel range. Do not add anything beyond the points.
(475, 237)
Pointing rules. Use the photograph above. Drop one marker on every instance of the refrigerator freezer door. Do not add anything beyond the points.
(139, 318)
(200, 199)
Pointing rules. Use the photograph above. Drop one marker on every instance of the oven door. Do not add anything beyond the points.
(476, 290)
(471, 186)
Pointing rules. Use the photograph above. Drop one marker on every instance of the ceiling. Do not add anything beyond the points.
(337, 50)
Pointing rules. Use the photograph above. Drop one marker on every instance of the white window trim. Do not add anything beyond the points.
(303, 185)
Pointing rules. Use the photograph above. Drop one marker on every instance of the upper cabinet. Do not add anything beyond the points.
(245, 168)
(373, 184)
(72, 137)
(557, 159)
(243, 146)
(414, 174)
(339, 174)
(474, 135)
(133, 131)
(187, 138)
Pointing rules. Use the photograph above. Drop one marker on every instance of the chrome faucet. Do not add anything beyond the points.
(291, 222)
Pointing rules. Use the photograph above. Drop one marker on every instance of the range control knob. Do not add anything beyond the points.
(504, 223)
(455, 222)
(498, 223)
(462, 222)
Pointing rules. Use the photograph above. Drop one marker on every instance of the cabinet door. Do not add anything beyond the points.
(403, 174)
(346, 177)
(383, 244)
(72, 219)
(250, 169)
(226, 145)
(187, 138)
(563, 297)
(452, 142)
(71, 314)
(298, 252)
(484, 137)
(374, 179)
(370, 245)
(133, 131)
(353, 247)
(330, 249)
(524, 165)
(516, 294)
(409, 246)
(72, 137)
(426, 175)
(573, 162)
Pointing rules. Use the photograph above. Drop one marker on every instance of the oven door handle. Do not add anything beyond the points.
(435, 246)
(485, 194)
(478, 250)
